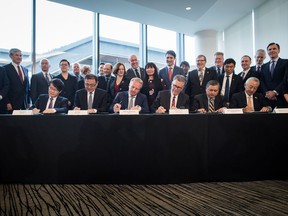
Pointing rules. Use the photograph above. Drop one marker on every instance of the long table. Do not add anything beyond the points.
(143, 149)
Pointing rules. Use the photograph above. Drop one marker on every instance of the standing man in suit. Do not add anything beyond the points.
(247, 70)
(77, 73)
(249, 99)
(131, 99)
(210, 101)
(135, 70)
(273, 75)
(51, 103)
(171, 70)
(259, 59)
(230, 82)
(219, 63)
(173, 98)
(197, 79)
(18, 95)
(91, 98)
(4, 88)
(186, 67)
(40, 81)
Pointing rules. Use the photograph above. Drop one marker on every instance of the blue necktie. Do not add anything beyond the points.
(272, 68)
(226, 95)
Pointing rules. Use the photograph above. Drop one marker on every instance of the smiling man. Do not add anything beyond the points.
(172, 99)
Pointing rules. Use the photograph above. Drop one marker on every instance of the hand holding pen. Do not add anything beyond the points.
(117, 107)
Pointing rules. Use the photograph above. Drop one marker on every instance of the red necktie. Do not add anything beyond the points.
(173, 102)
(170, 74)
(20, 74)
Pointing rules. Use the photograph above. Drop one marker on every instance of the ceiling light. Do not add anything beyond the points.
(188, 8)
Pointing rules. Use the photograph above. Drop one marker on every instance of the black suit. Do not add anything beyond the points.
(163, 99)
(39, 85)
(235, 86)
(238, 100)
(131, 73)
(4, 88)
(60, 105)
(122, 98)
(269, 83)
(18, 94)
(193, 86)
(99, 100)
(251, 73)
(201, 101)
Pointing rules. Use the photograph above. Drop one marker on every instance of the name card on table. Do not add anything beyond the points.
(129, 112)
(280, 110)
(178, 111)
(22, 112)
(233, 111)
(77, 112)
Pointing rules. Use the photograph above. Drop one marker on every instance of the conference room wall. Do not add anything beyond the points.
(270, 21)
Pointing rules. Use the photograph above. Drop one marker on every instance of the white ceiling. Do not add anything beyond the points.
(204, 14)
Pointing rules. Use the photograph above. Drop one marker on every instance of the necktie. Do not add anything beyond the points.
(211, 106)
(218, 71)
(90, 101)
(226, 94)
(47, 78)
(20, 74)
(258, 69)
(272, 68)
(173, 105)
(249, 104)
(130, 103)
(137, 73)
(51, 103)
(170, 74)
(243, 75)
(200, 74)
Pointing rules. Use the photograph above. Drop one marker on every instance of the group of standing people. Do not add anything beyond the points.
(257, 88)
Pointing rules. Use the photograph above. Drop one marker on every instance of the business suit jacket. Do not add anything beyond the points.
(254, 68)
(123, 86)
(39, 85)
(60, 105)
(131, 74)
(99, 100)
(215, 68)
(238, 100)
(193, 86)
(163, 99)
(18, 94)
(163, 74)
(269, 83)
(70, 87)
(201, 101)
(236, 84)
(4, 88)
(251, 73)
(122, 98)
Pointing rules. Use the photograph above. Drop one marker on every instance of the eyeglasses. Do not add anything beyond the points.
(177, 87)
(90, 85)
(63, 65)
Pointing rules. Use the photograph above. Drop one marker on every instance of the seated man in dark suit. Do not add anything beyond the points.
(91, 98)
(51, 103)
(249, 99)
(172, 99)
(211, 101)
(131, 99)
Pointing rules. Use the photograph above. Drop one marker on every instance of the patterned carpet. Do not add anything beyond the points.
(219, 198)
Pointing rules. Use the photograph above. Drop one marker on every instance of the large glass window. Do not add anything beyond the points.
(119, 38)
(159, 41)
(16, 28)
(63, 32)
